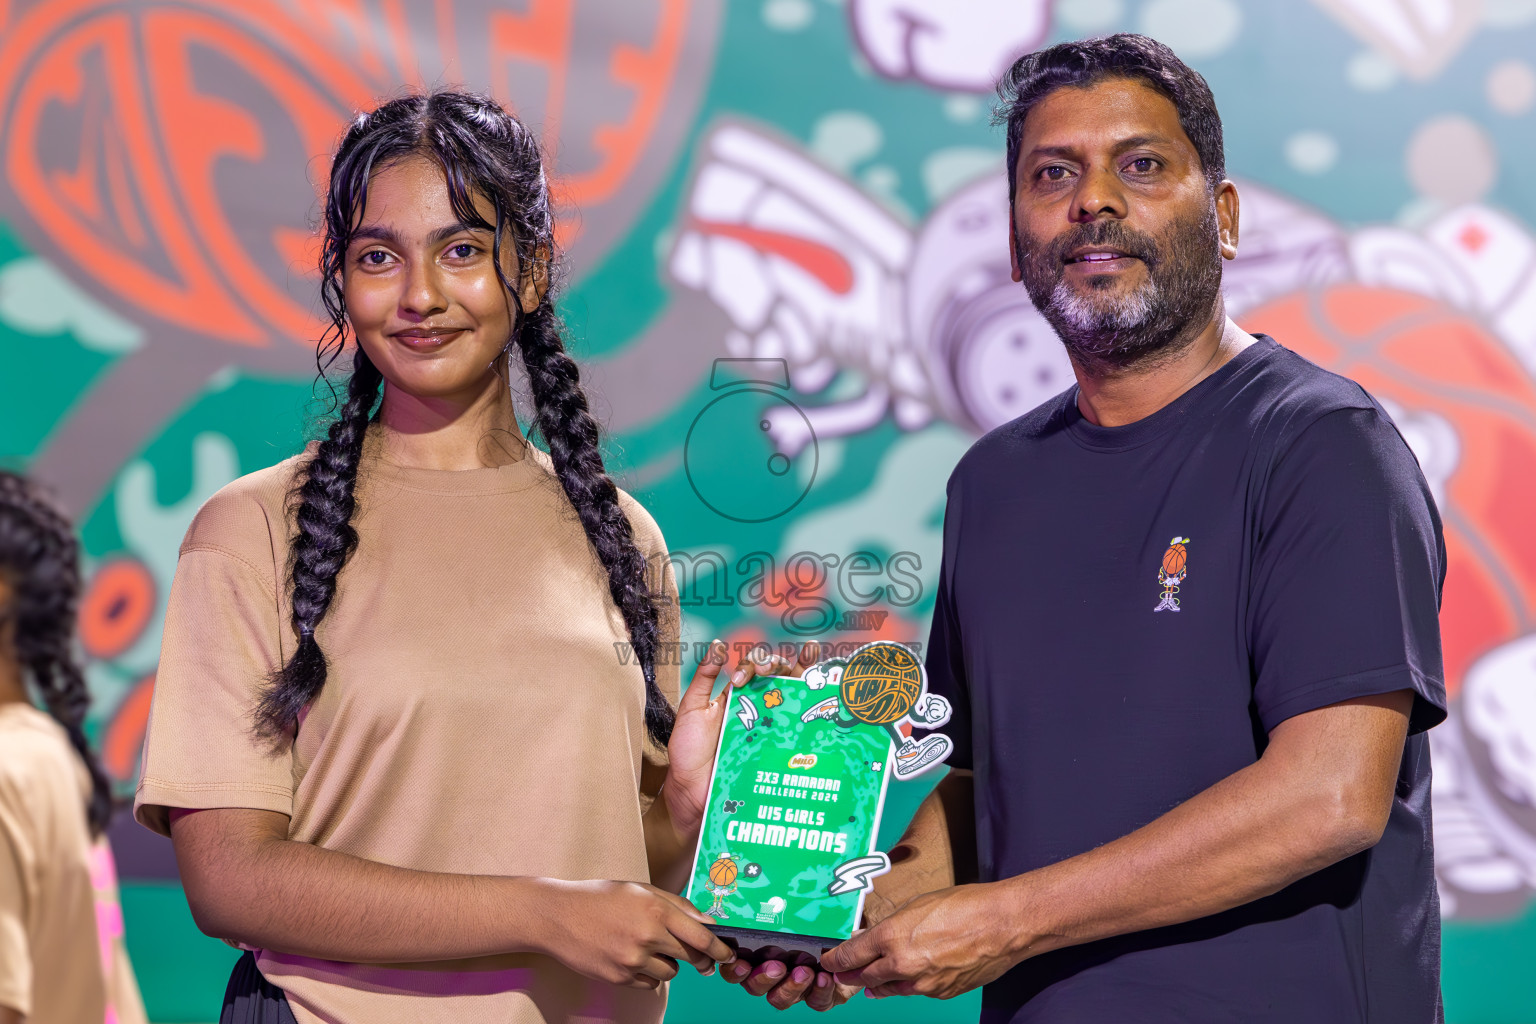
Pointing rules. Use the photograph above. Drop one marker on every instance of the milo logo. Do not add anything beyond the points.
(803, 761)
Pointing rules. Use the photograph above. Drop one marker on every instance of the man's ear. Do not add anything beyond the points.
(534, 282)
(1227, 208)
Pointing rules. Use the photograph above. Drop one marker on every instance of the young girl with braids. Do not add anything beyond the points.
(398, 738)
(61, 952)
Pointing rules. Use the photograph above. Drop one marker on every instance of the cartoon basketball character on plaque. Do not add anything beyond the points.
(883, 683)
(1171, 573)
(722, 883)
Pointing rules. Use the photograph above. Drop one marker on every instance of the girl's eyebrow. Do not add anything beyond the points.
(377, 232)
(449, 230)
(385, 233)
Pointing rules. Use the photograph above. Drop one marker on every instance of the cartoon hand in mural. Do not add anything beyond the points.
(958, 47)
(808, 268)
(1419, 36)
(931, 711)
(1485, 787)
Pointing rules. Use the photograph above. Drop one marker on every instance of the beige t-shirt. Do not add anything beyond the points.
(480, 714)
(61, 927)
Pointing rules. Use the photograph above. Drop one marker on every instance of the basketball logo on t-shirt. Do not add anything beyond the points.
(1171, 573)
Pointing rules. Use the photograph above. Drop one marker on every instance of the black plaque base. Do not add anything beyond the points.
(755, 946)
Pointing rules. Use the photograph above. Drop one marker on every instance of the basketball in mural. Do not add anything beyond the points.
(1467, 406)
(1433, 362)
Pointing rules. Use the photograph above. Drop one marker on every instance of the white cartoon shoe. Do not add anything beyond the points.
(913, 756)
(945, 45)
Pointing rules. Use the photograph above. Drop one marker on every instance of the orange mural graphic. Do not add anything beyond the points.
(144, 204)
(119, 604)
(117, 607)
(123, 740)
(168, 156)
(137, 209)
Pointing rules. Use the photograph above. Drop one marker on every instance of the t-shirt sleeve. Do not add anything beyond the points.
(15, 949)
(221, 643)
(1347, 574)
(945, 657)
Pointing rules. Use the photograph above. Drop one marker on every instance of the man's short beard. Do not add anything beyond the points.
(1157, 320)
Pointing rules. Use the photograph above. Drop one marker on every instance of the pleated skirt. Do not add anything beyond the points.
(251, 999)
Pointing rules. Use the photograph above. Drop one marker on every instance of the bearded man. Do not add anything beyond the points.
(1188, 620)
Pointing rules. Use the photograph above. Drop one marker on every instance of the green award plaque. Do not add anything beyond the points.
(787, 851)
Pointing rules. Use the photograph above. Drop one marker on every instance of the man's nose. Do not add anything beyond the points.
(1099, 195)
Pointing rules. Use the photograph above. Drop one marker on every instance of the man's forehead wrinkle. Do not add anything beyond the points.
(1058, 150)
(1123, 104)
(1073, 148)
(1143, 140)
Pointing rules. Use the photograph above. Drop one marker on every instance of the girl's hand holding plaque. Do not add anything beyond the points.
(696, 733)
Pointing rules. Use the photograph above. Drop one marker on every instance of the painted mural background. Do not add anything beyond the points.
(785, 223)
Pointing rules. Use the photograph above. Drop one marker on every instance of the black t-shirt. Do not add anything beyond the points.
(1124, 613)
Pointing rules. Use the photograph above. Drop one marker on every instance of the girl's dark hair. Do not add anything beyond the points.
(483, 151)
(1090, 61)
(40, 563)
